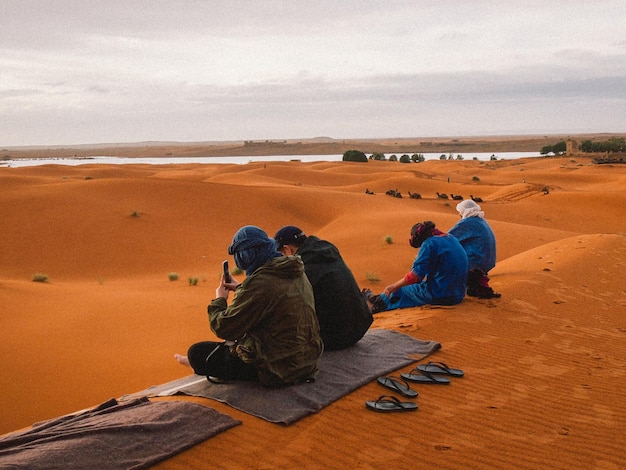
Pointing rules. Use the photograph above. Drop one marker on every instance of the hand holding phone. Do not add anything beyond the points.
(227, 278)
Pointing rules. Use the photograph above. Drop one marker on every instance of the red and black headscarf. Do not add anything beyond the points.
(420, 232)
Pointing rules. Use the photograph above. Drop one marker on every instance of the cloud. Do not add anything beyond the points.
(177, 70)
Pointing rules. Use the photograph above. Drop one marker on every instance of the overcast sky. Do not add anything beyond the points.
(86, 71)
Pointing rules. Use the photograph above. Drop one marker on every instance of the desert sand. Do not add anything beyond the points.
(545, 364)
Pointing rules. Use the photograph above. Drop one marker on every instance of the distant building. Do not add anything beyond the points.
(259, 143)
(571, 147)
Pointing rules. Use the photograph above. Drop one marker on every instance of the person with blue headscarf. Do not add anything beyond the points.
(270, 329)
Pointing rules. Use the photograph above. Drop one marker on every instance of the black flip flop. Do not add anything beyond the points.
(440, 368)
(387, 403)
(398, 384)
(419, 376)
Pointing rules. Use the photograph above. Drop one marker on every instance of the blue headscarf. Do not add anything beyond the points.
(252, 248)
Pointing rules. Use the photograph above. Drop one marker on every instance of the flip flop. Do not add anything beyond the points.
(398, 384)
(423, 377)
(440, 368)
(386, 403)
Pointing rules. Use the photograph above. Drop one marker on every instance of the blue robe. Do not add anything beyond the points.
(442, 265)
(478, 241)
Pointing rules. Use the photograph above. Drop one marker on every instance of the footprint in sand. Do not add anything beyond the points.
(522, 306)
(535, 366)
(408, 326)
(603, 415)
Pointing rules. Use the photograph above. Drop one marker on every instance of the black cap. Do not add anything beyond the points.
(289, 235)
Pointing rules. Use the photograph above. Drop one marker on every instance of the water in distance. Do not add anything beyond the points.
(73, 161)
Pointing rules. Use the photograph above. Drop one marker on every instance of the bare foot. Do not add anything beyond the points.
(182, 359)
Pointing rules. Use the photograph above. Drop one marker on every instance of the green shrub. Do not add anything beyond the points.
(354, 156)
(475, 178)
(372, 277)
(388, 239)
(40, 277)
(236, 271)
(173, 276)
(193, 281)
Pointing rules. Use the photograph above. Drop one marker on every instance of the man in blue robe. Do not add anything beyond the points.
(479, 243)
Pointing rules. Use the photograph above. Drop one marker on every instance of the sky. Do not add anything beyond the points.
(81, 71)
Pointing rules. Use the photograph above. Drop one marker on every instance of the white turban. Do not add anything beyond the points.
(469, 208)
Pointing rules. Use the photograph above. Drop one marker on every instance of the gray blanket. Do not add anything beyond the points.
(341, 372)
(131, 435)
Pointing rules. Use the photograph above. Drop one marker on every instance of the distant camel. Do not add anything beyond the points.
(457, 197)
(367, 191)
(442, 196)
(414, 195)
(476, 199)
(394, 193)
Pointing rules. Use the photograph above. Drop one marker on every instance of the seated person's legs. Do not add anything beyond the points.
(478, 285)
(214, 359)
(474, 278)
(414, 295)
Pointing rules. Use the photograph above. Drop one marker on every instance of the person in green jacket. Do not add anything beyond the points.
(270, 328)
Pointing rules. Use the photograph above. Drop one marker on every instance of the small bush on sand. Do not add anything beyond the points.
(236, 271)
(388, 239)
(40, 277)
(475, 178)
(372, 277)
(173, 276)
(193, 281)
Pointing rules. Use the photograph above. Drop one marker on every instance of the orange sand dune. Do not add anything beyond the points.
(545, 367)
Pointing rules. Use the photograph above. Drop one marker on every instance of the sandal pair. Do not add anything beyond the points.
(432, 373)
(387, 403)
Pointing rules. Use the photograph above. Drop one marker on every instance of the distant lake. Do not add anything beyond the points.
(235, 160)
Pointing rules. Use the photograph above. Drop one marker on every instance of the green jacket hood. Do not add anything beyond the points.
(284, 267)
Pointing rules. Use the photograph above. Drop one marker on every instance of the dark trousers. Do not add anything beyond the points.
(214, 359)
(478, 285)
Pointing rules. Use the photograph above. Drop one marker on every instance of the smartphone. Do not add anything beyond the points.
(227, 278)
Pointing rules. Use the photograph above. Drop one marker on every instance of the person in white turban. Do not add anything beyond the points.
(479, 243)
